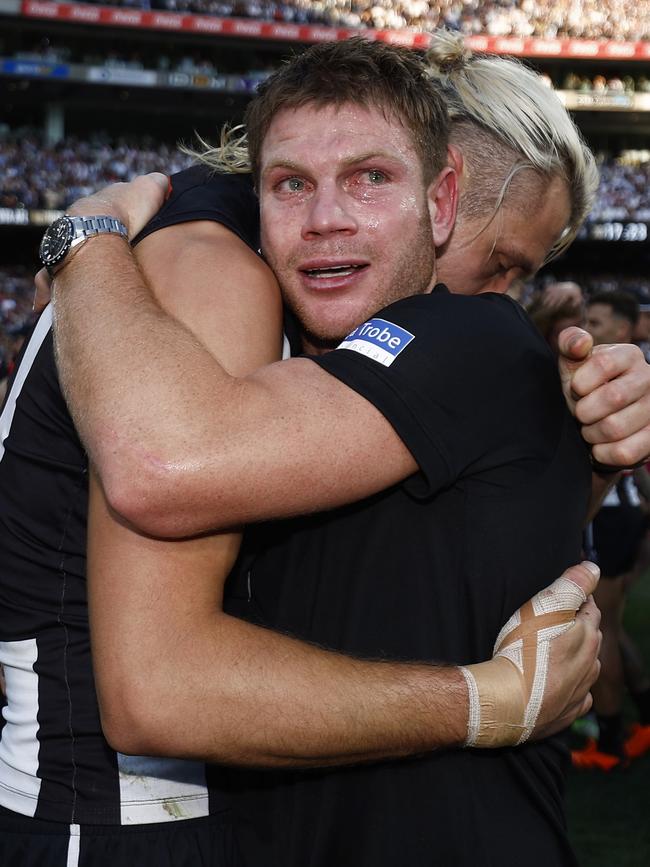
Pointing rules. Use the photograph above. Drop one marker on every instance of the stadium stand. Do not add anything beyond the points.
(582, 19)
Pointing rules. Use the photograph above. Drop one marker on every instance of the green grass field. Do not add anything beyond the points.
(609, 814)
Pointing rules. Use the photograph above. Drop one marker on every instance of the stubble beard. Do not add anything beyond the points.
(412, 274)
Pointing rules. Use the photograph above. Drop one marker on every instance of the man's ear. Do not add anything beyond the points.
(455, 159)
(442, 198)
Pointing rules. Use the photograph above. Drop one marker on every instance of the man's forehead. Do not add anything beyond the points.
(341, 129)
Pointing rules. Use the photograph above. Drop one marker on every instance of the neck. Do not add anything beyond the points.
(315, 346)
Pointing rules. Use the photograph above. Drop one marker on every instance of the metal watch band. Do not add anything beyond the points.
(85, 227)
(56, 247)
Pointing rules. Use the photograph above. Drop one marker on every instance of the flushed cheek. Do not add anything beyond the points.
(389, 226)
(409, 205)
(278, 234)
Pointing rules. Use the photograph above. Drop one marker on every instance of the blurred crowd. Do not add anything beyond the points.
(624, 191)
(600, 84)
(206, 61)
(33, 175)
(16, 317)
(211, 61)
(580, 19)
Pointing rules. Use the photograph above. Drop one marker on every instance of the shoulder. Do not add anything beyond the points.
(199, 183)
(482, 327)
(199, 193)
(486, 312)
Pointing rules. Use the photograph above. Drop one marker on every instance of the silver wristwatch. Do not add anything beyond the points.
(68, 232)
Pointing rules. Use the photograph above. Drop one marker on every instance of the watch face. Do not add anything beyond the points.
(56, 241)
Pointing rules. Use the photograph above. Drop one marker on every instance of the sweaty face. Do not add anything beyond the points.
(513, 246)
(345, 216)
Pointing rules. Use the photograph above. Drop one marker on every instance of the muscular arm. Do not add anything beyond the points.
(182, 445)
(214, 468)
(177, 676)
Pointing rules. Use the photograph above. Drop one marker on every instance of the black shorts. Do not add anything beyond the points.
(204, 842)
(618, 533)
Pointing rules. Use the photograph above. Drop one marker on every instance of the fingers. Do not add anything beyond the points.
(626, 453)
(575, 343)
(562, 293)
(585, 575)
(614, 406)
(621, 424)
(134, 203)
(608, 363)
(589, 612)
(161, 180)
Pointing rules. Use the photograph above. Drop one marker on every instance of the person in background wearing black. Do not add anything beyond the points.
(618, 532)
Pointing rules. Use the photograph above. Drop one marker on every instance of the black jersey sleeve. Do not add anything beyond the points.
(467, 383)
(198, 193)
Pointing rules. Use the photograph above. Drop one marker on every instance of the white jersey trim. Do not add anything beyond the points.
(73, 846)
(161, 790)
(40, 332)
(19, 745)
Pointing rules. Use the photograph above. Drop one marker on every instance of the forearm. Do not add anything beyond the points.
(175, 675)
(261, 698)
(110, 333)
(181, 446)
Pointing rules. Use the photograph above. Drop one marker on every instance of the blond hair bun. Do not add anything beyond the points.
(447, 52)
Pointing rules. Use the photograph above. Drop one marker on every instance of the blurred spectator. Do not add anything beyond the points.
(580, 19)
(624, 191)
(612, 317)
(618, 532)
(176, 59)
(555, 308)
(641, 335)
(16, 317)
(33, 175)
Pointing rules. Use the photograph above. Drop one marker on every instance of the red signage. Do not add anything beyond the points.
(113, 16)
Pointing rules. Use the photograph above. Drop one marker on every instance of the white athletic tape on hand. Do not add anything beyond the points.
(506, 693)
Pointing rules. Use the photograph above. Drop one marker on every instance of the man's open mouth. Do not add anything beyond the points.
(333, 271)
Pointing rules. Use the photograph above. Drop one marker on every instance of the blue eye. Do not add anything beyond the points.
(292, 185)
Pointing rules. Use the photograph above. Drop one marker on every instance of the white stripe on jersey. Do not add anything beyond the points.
(73, 846)
(161, 790)
(38, 336)
(19, 783)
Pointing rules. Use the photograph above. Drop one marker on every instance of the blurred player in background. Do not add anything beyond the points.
(556, 307)
(641, 334)
(619, 529)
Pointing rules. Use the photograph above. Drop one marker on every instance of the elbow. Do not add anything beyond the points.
(125, 731)
(134, 726)
(151, 498)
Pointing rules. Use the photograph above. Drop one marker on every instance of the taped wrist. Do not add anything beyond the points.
(506, 693)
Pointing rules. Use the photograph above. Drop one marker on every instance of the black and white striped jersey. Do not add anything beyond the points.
(54, 761)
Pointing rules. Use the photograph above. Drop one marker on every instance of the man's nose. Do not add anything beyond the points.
(328, 213)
